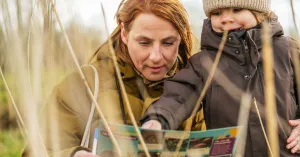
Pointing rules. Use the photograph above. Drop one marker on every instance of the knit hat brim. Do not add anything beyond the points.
(256, 5)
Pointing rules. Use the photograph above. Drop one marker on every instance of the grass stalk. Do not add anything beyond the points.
(271, 115)
(295, 54)
(123, 90)
(105, 123)
(14, 103)
(263, 128)
(206, 86)
(243, 123)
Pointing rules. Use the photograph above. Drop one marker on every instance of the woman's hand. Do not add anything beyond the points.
(83, 153)
(294, 139)
(152, 124)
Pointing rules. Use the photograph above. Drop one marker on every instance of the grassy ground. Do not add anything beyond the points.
(11, 143)
(11, 140)
(3, 98)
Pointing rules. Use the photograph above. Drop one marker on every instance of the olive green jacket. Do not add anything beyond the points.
(65, 116)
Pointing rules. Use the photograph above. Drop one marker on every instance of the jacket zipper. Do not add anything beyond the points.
(261, 76)
(245, 46)
(248, 60)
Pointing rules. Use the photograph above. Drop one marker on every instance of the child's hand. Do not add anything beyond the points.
(152, 124)
(294, 139)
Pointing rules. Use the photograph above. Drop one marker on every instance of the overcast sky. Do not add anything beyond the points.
(88, 12)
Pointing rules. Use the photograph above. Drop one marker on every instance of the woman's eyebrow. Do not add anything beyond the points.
(173, 38)
(142, 37)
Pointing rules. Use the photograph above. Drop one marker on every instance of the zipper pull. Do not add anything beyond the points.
(245, 46)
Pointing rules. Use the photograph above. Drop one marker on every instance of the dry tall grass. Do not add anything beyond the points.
(34, 57)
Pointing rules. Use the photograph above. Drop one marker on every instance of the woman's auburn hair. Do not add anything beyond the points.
(170, 10)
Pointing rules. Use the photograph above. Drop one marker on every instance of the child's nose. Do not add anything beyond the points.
(226, 18)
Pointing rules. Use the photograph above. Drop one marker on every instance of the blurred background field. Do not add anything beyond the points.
(34, 55)
(11, 140)
(11, 144)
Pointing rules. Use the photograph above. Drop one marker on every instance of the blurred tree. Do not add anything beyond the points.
(39, 35)
(19, 15)
(6, 16)
(85, 40)
(2, 47)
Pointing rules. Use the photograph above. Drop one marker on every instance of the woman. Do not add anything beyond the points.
(153, 40)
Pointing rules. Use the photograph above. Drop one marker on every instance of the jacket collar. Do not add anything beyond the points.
(210, 40)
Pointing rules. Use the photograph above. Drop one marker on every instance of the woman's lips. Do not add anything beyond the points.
(155, 69)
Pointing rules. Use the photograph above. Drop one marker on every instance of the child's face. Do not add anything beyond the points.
(232, 19)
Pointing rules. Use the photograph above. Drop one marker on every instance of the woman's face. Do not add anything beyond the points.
(232, 19)
(153, 45)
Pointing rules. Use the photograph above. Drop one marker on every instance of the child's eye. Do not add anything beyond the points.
(236, 10)
(216, 13)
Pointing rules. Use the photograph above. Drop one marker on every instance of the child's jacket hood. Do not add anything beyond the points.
(210, 40)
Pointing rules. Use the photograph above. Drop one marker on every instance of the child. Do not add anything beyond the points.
(239, 70)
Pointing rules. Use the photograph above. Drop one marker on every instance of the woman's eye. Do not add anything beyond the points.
(237, 10)
(144, 43)
(168, 43)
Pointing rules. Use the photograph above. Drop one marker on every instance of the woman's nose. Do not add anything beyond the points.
(156, 54)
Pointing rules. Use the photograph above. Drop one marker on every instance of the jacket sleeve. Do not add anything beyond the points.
(179, 98)
(59, 128)
(61, 122)
(65, 114)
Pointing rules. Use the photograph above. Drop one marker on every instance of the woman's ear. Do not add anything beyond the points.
(123, 34)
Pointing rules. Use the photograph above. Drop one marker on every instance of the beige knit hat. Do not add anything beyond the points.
(257, 5)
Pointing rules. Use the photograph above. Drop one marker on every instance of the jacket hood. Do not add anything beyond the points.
(126, 69)
(210, 40)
